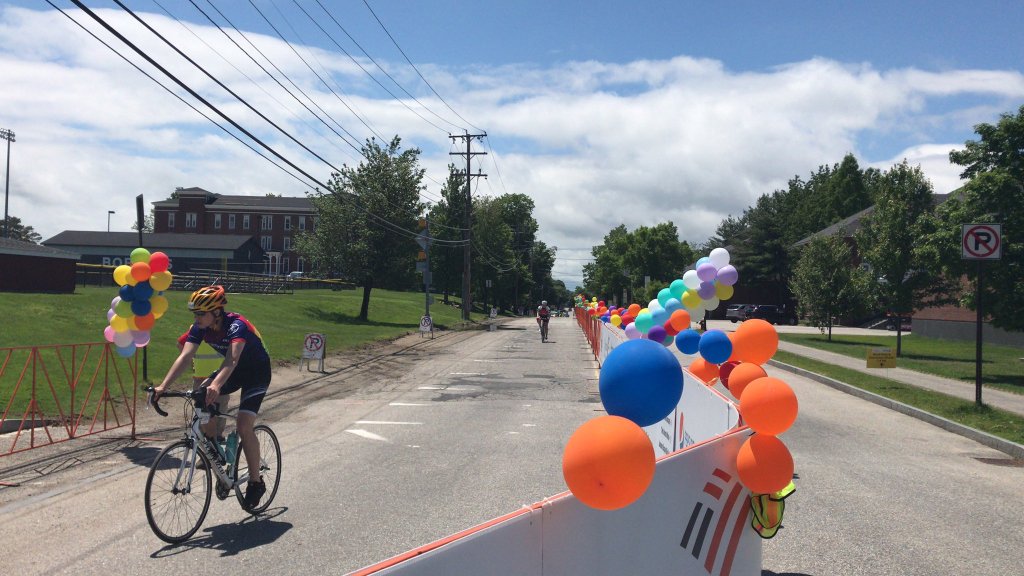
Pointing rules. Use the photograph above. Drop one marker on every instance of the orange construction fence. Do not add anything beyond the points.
(51, 394)
(591, 327)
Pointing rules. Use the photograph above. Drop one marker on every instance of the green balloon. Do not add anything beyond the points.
(123, 309)
(643, 322)
(140, 255)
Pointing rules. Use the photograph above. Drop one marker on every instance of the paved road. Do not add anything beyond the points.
(400, 450)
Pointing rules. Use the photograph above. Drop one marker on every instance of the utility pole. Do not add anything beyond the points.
(8, 135)
(467, 304)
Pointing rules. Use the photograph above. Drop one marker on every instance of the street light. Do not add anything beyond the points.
(9, 136)
(109, 212)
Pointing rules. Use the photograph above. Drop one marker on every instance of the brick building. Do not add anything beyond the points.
(273, 222)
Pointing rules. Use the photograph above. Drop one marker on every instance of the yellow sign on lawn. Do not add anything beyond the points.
(881, 358)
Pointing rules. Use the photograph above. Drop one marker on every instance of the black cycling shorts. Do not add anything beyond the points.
(253, 381)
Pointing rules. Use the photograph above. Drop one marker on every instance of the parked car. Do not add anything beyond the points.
(737, 312)
(295, 275)
(773, 314)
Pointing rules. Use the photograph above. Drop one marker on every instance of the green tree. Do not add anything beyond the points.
(888, 237)
(447, 221)
(825, 283)
(763, 258)
(18, 231)
(994, 193)
(367, 220)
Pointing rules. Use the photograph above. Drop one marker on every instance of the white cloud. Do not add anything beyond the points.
(595, 144)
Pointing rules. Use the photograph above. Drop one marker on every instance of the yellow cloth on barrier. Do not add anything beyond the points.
(768, 510)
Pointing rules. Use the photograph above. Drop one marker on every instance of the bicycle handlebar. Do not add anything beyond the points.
(198, 395)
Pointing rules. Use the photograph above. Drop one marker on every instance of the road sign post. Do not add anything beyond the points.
(980, 242)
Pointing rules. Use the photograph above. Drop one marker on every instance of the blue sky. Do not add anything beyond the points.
(605, 113)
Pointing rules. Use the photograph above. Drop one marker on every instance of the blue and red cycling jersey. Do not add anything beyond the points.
(236, 327)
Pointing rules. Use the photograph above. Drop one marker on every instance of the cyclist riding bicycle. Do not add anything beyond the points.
(246, 367)
(543, 313)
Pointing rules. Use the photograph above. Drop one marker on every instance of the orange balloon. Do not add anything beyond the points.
(768, 406)
(680, 320)
(608, 462)
(764, 464)
(742, 375)
(703, 370)
(755, 341)
(145, 322)
(634, 309)
(140, 271)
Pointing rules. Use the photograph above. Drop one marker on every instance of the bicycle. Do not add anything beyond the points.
(544, 330)
(178, 486)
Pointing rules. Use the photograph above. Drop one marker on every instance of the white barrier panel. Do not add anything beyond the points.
(702, 413)
(610, 338)
(693, 519)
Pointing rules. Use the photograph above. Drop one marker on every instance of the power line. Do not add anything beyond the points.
(331, 16)
(393, 41)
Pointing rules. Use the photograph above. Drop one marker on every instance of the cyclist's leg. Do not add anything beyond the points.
(254, 385)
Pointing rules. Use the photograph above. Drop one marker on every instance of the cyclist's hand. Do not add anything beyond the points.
(157, 392)
(211, 395)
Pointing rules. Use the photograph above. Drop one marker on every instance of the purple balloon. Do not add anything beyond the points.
(728, 275)
(110, 314)
(706, 290)
(657, 333)
(632, 332)
(140, 338)
(707, 272)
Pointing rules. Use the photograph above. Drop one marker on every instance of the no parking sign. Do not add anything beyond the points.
(982, 241)
(313, 349)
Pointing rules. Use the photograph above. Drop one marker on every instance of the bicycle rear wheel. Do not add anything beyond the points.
(270, 467)
(177, 492)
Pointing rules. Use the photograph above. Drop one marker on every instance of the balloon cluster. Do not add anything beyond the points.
(767, 405)
(139, 301)
(608, 462)
(667, 318)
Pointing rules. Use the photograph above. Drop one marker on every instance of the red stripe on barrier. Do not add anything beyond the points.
(734, 540)
(709, 563)
(713, 490)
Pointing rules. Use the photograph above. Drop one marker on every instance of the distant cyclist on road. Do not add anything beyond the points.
(246, 366)
(543, 314)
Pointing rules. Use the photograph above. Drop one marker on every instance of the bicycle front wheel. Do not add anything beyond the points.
(178, 492)
(269, 468)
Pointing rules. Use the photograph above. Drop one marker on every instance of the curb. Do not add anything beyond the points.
(1005, 446)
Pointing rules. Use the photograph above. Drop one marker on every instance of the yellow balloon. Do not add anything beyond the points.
(121, 274)
(160, 281)
(723, 292)
(118, 323)
(159, 305)
(616, 319)
(131, 323)
(691, 299)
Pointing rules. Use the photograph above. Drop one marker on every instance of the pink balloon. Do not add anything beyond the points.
(108, 333)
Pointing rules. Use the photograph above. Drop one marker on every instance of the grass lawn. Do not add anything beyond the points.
(1002, 367)
(283, 320)
(993, 421)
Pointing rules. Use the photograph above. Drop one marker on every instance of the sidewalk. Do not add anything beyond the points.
(995, 398)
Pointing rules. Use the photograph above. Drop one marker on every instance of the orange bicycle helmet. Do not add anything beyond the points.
(207, 299)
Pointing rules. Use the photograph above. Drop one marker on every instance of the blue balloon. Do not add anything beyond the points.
(143, 291)
(660, 316)
(141, 307)
(688, 341)
(715, 346)
(126, 292)
(672, 305)
(127, 351)
(700, 261)
(641, 381)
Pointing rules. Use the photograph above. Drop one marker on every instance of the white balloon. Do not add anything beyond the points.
(691, 280)
(719, 257)
(711, 303)
(122, 339)
(654, 306)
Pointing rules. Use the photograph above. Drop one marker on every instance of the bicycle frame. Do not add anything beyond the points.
(197, 439)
